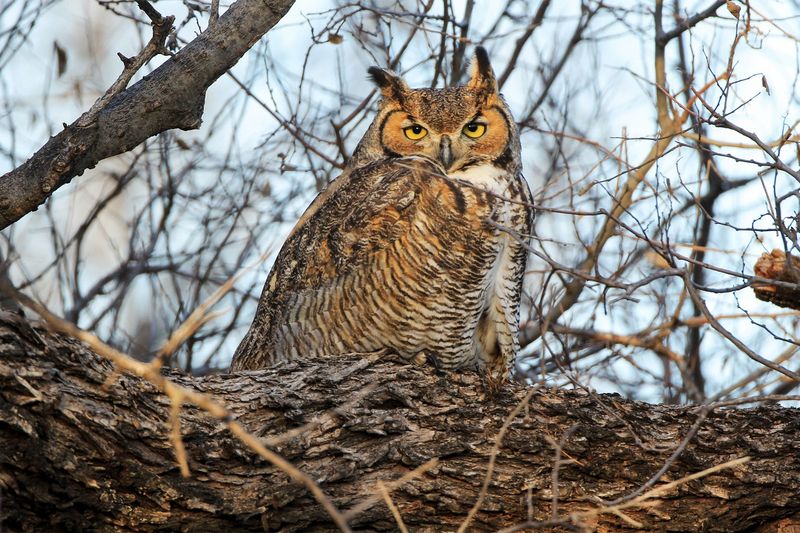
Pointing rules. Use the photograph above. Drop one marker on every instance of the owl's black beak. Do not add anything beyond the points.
(445, 152)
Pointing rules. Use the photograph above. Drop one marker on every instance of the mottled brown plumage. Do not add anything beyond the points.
(408, 249)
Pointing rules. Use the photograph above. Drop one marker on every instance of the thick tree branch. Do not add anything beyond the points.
(170, 97)
(83, 447)
(663, 37)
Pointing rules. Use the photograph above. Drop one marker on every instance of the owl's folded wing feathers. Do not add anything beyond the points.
(368, 213)
(337, 239)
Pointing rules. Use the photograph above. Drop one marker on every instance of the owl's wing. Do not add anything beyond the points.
(373, 206)
(340, 234)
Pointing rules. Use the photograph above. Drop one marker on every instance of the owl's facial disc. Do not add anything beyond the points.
(456, 126)
(473, 137)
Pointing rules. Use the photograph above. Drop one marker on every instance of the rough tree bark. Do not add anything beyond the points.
(172, 96)
(76, 456)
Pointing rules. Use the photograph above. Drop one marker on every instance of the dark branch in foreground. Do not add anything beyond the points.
(170, 97)
(85, 448)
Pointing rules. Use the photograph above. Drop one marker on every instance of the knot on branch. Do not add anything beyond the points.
(777, 266)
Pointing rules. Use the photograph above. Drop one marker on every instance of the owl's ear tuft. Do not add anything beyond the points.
(482, 76)
(391, 85)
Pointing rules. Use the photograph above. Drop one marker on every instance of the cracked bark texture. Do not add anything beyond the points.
(77, 456)
(172, 96)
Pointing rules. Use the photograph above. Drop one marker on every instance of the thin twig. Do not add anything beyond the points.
(701, 417)
(646, 500)
(175, 436)
(558, 447)
(371, 500)
(714, 323)
(493, 457)
(392, 507)
(162, 26)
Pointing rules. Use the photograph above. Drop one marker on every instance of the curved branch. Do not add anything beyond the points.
(172, 96)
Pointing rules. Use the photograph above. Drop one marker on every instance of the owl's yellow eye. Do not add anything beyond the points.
(415, 132)
(474, 130)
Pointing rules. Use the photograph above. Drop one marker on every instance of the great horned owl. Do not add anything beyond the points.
(419, 246)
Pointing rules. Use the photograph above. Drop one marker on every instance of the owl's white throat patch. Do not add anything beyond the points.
(485, 177)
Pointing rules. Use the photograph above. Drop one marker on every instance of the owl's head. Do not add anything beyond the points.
(455, 126)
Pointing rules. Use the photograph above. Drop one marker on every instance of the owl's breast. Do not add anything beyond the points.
(506, 194)
(506, 222)
(404, 257)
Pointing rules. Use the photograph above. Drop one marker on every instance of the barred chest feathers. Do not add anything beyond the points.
(498, 325)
